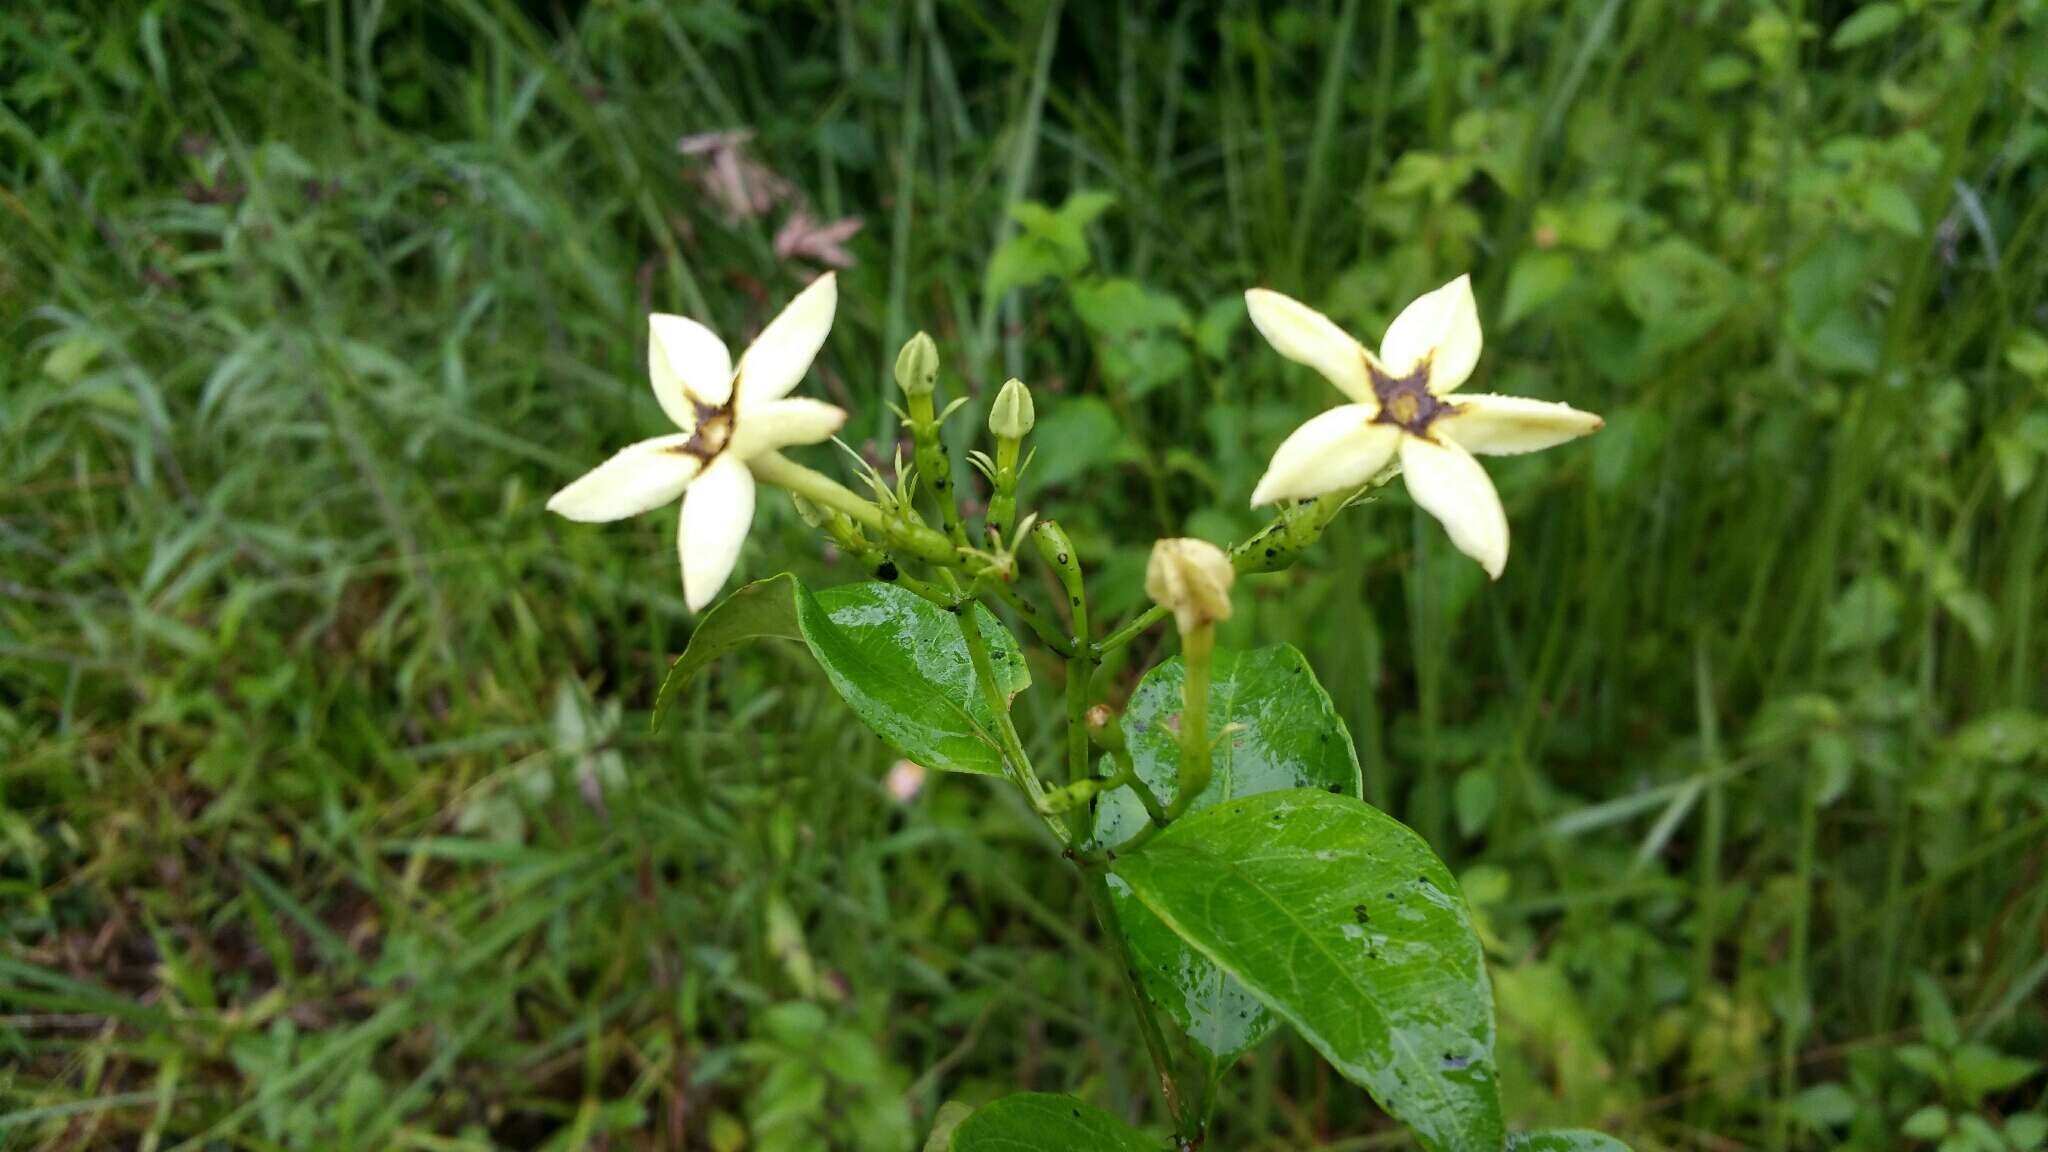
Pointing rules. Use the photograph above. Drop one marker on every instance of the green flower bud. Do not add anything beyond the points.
(1012, 416)
(917, 366)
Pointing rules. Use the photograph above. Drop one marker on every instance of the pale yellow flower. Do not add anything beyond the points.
(728, 416)
(1403, 407)
(1191, 577)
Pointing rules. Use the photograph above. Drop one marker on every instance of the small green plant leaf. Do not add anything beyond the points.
(1341, 920)
(1565, 1140)
(899, 662)
(1276, 728)
(1870, 22)
(1043, 1122)
(763, 610)
(896, 659)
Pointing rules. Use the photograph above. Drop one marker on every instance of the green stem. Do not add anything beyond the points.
(1198, 644)
(901, 535)
(1093, 879)
(1028, 612)
(1276, 546)
(1057, 550)
(1021, 773)
(934, 465)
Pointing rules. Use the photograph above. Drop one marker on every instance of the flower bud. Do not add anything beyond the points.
(1012, 416)
(917, 366)
(1191, 577)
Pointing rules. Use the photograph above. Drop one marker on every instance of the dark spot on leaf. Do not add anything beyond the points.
(1364, 917)
(1062, 558)
(886, 571)
(1337, 788)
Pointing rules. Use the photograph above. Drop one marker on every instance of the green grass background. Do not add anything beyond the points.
(329, 814)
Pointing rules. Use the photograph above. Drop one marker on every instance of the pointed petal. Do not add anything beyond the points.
(1340, 449)
(1511, 425)
(783, 423)
(1306, 336)
(1451, 485)
(686, 360)
(717, 511)
(639, 477)
(1442, 325)
(783, 352)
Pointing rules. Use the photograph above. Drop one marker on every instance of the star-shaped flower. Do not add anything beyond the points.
(728, 416)
(1403, 405)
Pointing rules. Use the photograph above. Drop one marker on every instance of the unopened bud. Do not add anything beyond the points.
(1012, 416)
(1191, 577)
(917, 366)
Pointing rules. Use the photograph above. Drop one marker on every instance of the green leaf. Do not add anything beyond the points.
(1864, 616)
(1343, 922)
(763, 610)
(899, 662)
(1074, 436)
(951, 1114)
(1565, 1140)
(1870, 22)
(1929, 1123)
(896, 659)
(1678, 290)
(1892, 206)
(1283, 732)
(1538, 278)
(1043, 1122)
(1822, 1106)
(1983, 1071)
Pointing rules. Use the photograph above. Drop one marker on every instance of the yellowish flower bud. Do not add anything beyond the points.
(917, 366)
(1012, 416)
(1191, 577)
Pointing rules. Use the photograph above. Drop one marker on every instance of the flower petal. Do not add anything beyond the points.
(717, 512)
(686, 361)
(639, 477)
(1511, 425)
(783, 352)
(1451, 485)
(1306, 336)
(781, 423)
(1340, 449)
(1442, 325)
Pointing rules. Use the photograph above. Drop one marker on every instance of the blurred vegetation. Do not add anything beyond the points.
(329, 814)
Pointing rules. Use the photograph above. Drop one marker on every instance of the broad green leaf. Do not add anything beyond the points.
(1538, 277)
(1342, 921)
(1283, 732)
(1867, 23)
(763, 610)
(897, 660)
(1865, 615)
(1565, 1140)
(1043, 1122)
(1678, 290)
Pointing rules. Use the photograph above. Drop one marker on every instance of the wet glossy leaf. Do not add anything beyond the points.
(1283, 732)
(1565, 1140)
(896, 659)
(1343, 922)
(1043, 1122)
(899, 662)
(763, 610)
